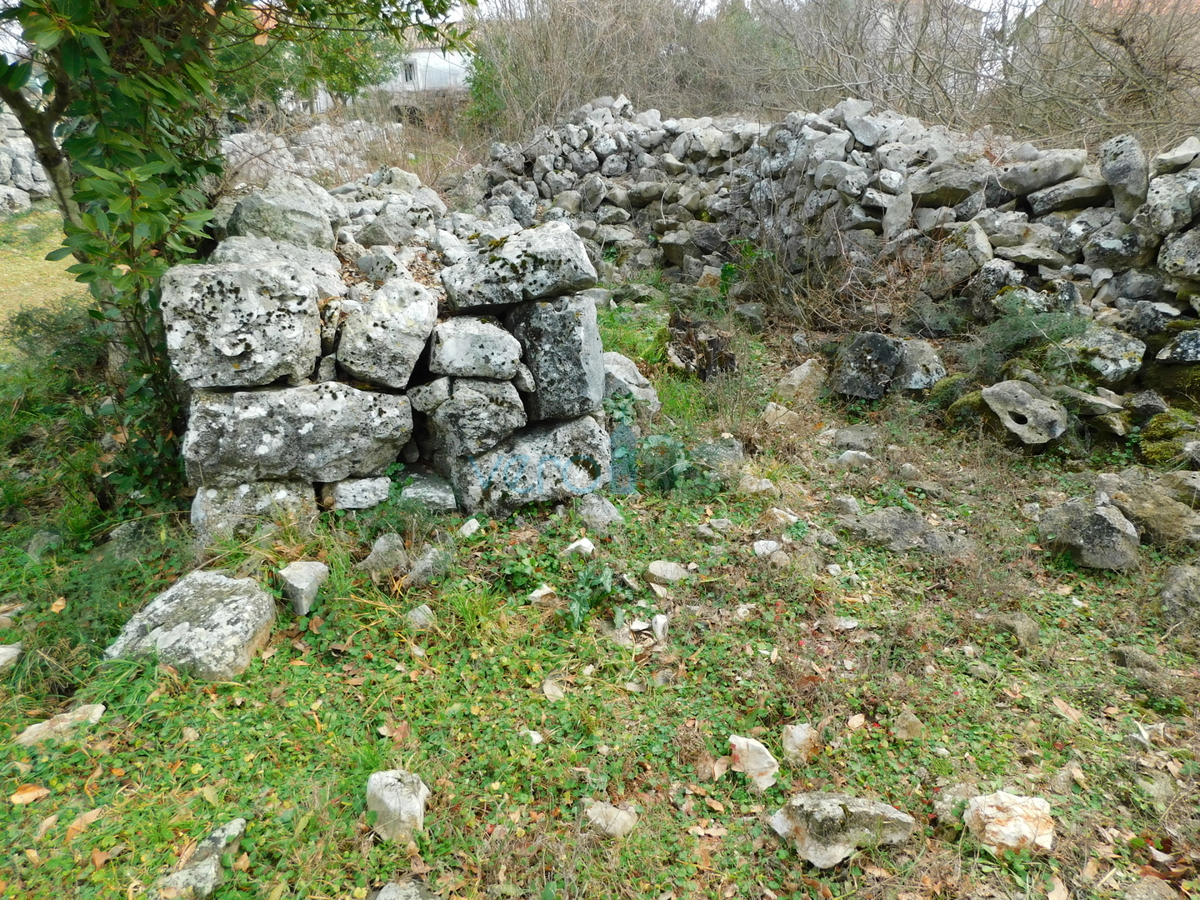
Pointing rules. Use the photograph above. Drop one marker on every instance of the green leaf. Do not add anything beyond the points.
(16, 75)
(59, 253)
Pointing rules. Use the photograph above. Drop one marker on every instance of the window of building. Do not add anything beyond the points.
(410, 72)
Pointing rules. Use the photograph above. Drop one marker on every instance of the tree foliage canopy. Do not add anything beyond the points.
(119, 98)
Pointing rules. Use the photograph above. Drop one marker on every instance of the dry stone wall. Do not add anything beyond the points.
(22, 178)
(437, 342)
(959, 228)
(334, 333)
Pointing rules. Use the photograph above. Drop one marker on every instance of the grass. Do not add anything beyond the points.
(27, 279)
(352, 688)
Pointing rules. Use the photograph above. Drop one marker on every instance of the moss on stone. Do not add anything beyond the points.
(1179, 384)
(946, 392)
(967, 408)
(1169, 425)
(1160, 453)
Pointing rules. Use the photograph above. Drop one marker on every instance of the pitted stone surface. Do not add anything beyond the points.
(473, 348)
(255, 251)
(289, 208)
(235, 325)
(828, 828)
(544, 462)
(221, 513)
(323, 432)
(562, 348)
(206, 622)
(540, 263)
(478, 415)
(1024, 411)
(383, 338)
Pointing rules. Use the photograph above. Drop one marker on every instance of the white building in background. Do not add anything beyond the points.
(430, 69)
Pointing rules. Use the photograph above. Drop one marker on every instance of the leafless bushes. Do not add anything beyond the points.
(1085, 68)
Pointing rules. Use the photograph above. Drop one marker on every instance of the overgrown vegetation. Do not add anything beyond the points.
(354, 687)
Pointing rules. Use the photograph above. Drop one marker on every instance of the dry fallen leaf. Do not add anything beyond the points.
(721, 766)
(58, 605)
(856, 722)
(714, 805)
(47, 823)
(1058, 890)
(29, 793)
(1067, 710)
(552, 690)
(82, 821)
(99, 858)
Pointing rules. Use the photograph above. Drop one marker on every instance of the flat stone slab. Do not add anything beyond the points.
(322, 432)
(207, 623)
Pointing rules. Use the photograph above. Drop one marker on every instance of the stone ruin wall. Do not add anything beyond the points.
(332, 334)
(479, 363)
(22, 178)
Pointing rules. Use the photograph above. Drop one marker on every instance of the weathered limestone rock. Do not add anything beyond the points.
(621, 376)
(803, 384)
(544, 462)
(301, 582)
(398, 800)
(206, 622)
(1180, 255)
(1114, 355)
(240, 325)
(1069, 195)
(901, 530)
(1163, 521)
(562, 348)
(828, 828)
(1003, 821)
(203, 874)
(1049, 168)
(865, 365)
(920, 366)
(1181, 594)
(599, 514)
(223, 512)
(387, 555)
(1183, 349)
(383, 338)
(478, 415)
(536, 264)
(9, 654)
(429, 491)
(254, 251)
(1094, 532)
(1023, 410)
(356, 493)
(60, 726)
(473, 348)
(323, 432)
(289, 208)
(1123, 165)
